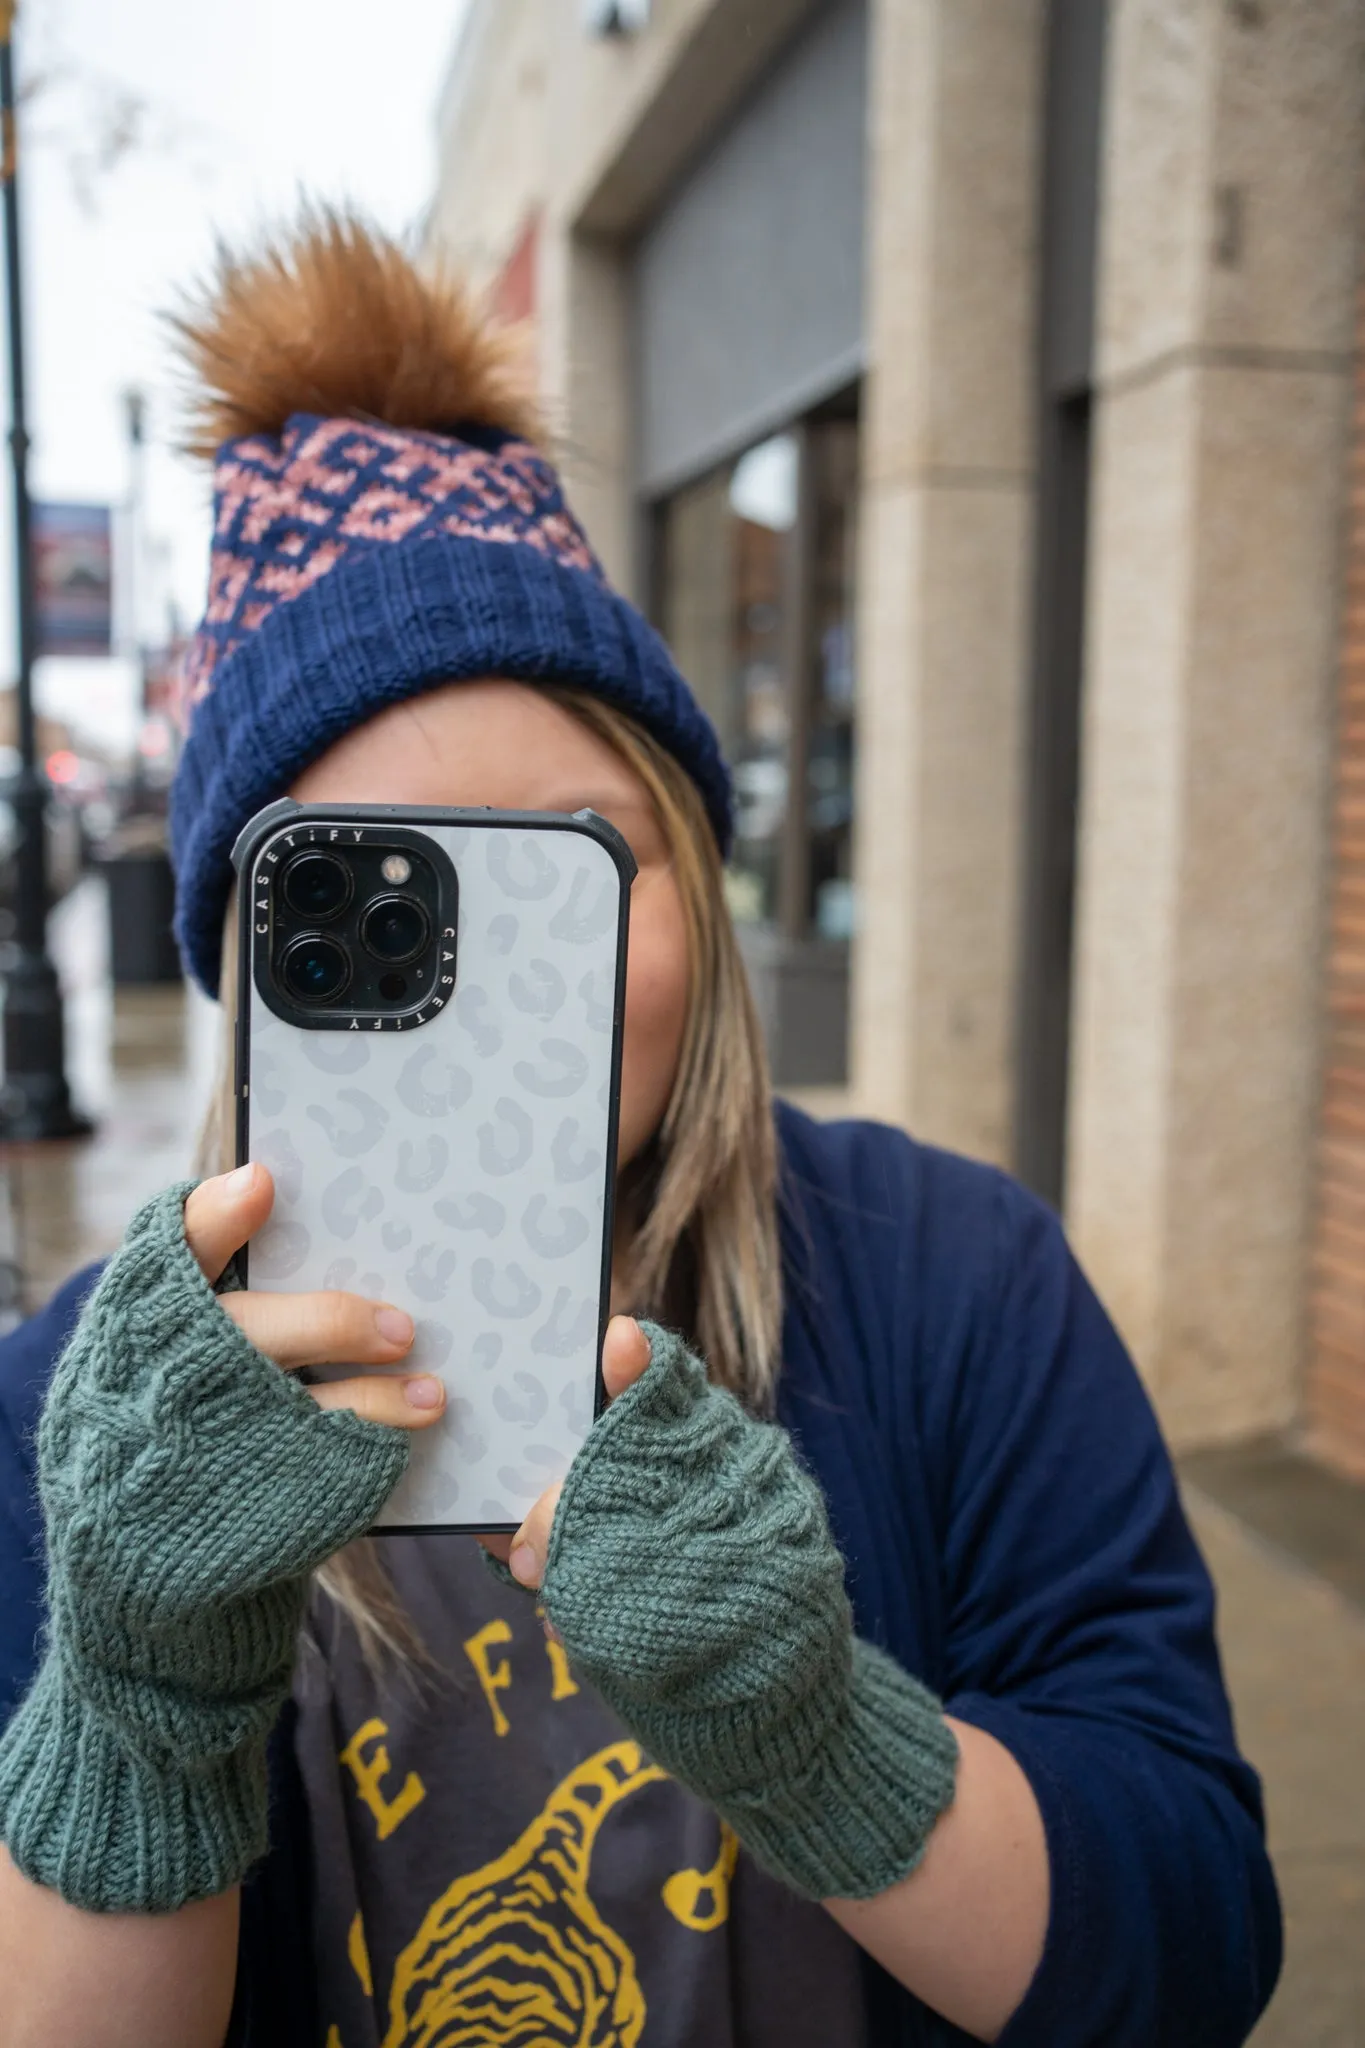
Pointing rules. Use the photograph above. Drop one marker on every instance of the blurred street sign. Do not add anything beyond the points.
(73, 579)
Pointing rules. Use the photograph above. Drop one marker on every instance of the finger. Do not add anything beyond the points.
(625, 1354)
(321, 1329)
(387, 1397)
(530, 1545)
(222, 1213)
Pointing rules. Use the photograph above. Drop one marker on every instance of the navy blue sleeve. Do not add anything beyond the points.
(27, 1358)
(1080, 1632)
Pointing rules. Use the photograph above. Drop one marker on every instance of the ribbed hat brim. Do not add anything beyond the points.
(381, 627)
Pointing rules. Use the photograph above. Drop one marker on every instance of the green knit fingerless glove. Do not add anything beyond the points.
(189, 1487)
(694, 1581)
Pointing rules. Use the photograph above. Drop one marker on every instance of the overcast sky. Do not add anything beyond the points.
(148, 127)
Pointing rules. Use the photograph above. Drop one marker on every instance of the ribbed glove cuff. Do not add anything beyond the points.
(860, 1818)
(112, 1832)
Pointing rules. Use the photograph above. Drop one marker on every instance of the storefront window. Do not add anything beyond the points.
(754, 592)
(833, 453)
(755, 597)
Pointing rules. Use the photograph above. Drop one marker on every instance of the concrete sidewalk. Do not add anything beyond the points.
(1293, 1643)
(1294, 1650)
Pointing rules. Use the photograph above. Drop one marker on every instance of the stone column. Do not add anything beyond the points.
(1231, 194)
(947, 512)
(584, 341)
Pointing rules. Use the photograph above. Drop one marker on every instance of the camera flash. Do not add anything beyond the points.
(395, 869)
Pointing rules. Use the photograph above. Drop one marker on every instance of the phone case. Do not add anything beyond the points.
(464, 1169)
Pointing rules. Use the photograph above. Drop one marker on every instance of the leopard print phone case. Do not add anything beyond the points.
(455, 1156)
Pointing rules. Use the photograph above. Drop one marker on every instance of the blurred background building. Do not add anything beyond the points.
(967, 392)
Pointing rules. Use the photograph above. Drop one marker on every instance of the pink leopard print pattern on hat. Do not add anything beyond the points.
(287, 511)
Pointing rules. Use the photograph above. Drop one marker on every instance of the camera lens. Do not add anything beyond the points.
(394, 928)
(317, 885)
(315, 969)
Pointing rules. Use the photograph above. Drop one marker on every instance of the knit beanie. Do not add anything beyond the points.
(383, 523)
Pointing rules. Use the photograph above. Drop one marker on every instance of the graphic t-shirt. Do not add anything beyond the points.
(496, 1862)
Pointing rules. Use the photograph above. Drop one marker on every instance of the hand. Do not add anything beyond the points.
(625, 1354)
(299, 1330)
(695, 1585)
(190, 1489)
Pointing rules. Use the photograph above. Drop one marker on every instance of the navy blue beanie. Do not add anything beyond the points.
(356, 564)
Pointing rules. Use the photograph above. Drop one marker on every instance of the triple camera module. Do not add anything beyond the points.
(361, 926)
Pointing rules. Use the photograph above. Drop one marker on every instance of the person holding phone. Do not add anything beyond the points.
(858, 1684)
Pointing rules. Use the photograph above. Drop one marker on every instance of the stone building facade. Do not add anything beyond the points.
(966, 390)
(1334, 1394)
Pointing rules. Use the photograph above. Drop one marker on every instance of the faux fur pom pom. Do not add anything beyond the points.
(333, 317)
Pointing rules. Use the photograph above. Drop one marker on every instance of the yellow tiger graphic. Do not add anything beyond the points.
(515, 1954)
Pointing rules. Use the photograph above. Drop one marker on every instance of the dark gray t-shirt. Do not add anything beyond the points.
(496, 1862)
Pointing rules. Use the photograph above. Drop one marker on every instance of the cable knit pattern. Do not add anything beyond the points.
(189, 1487)
(695, 1583)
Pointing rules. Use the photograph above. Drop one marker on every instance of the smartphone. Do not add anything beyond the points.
(430, 1007)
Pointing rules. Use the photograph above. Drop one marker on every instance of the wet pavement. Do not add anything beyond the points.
(141, 1062)
(1286, 1545)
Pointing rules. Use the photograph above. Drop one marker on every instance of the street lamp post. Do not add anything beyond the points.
(34, 1101)
(135, 419)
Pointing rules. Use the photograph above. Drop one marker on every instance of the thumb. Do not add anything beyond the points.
(530, 1545)
(222, 1213)
(625, 1354)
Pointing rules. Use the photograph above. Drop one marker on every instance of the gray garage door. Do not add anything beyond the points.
(749, 282)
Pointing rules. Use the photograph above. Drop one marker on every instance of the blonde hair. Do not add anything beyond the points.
(704, 1254)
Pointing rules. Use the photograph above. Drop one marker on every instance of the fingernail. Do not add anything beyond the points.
(524, 1564)
(393, 1325)
(240, 1179)
(424, 1392)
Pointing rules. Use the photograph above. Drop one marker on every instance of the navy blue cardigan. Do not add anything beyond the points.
(1007, 1510)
